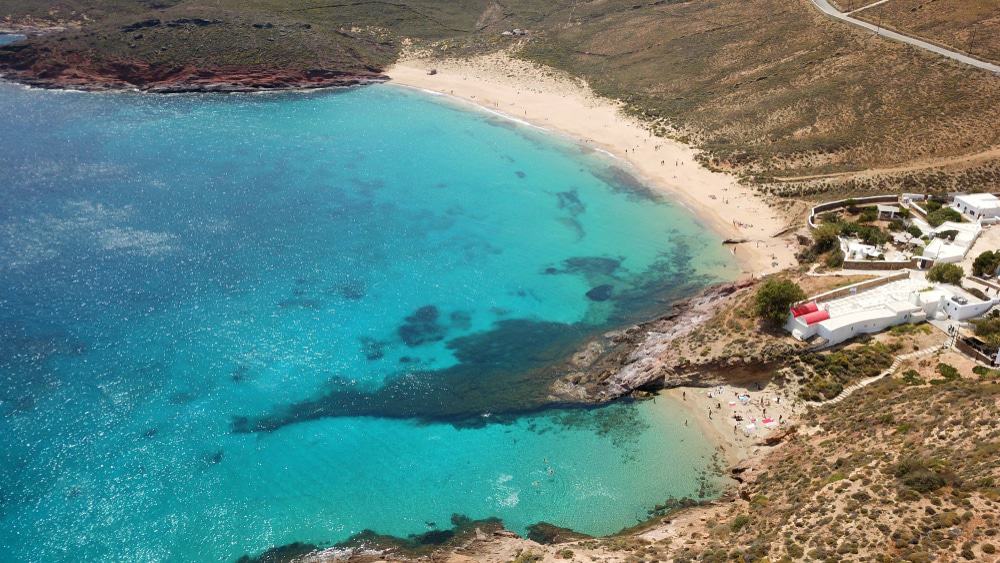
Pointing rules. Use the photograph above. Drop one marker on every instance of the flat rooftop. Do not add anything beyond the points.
(895, 293)
(980, 200)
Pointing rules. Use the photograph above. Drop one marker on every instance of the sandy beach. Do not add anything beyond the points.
(551, 100)
(714, 410)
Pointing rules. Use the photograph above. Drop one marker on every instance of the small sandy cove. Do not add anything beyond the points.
(552, 100)
(737, 425)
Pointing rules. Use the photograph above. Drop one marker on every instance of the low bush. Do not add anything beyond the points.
(946, 273)
(948, 373)
(825, 238)
(916, 474)
(942, 215)
(986, 264)
(834, 259)
(988, 330)
(739, 522)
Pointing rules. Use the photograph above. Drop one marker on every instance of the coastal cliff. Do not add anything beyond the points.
(41, 69)
(44, 65)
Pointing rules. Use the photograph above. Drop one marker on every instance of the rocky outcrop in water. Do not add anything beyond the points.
(648, 356)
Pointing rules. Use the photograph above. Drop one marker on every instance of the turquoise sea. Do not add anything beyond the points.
(230, 322)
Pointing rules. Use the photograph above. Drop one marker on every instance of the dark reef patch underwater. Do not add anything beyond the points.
(236, 322)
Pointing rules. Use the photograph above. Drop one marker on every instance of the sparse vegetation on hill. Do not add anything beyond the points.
(967, 26)
(822, 376)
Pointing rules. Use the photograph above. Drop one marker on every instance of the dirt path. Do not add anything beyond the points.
(988, 154)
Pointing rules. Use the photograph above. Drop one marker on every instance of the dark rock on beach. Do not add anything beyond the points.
(548, 534)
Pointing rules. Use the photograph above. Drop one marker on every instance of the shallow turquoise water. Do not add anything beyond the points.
(232, 322)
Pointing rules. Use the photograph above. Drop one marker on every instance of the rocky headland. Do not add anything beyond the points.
(672, 351)
(41, 68)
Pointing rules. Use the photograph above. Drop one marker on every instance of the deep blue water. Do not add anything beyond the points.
(233, 322)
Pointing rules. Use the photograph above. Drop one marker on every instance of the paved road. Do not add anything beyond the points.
(828, 9)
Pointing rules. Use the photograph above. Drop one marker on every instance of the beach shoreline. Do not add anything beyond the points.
(555, 102)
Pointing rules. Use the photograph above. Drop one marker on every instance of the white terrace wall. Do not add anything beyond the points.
(831, 205)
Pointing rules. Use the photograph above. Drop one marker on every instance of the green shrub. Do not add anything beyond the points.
(915, 231)
(868, 214)
(739, 522)
(948, 373)
(936, 218)
(834, 259)
(825, 238)
(985, 373)
(869, 234)
(931, 206)
(917, 475)
(774, 299)
(829, 218)
(527, 557)
(911, 377)
(946, 273)
(986, 264)
(988, 330)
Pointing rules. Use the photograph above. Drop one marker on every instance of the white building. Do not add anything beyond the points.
(909, 300)
(947, 251)
(978, 206)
